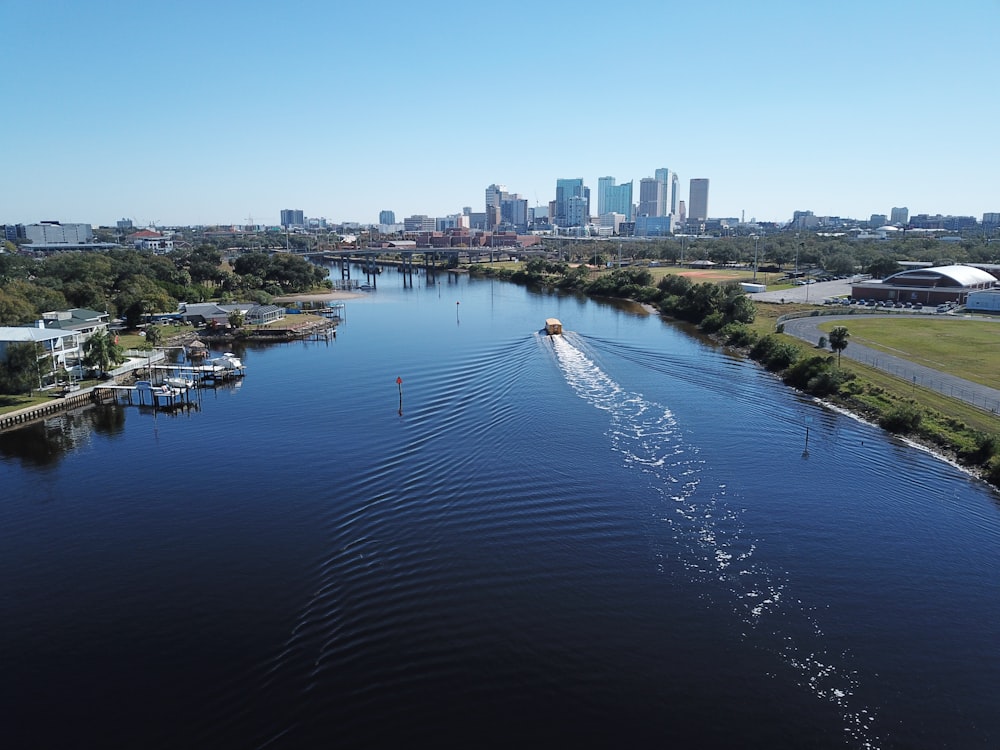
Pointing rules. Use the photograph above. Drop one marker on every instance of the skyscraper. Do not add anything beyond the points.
(698, 199)
(292, 217)
(900, 215)
(566, 189)
(649, 196)
(386, 217)
(495, 195)
(663, 177)
(612, 198)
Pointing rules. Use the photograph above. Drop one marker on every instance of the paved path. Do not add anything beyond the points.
(980, 396)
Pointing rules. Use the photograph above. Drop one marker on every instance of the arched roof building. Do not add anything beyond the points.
(931, 286)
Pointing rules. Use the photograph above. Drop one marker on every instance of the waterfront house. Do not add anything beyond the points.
(55, 349)
(261, 314)
(79, 319)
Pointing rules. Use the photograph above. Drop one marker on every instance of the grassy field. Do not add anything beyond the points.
(969, 349)
(879, 381)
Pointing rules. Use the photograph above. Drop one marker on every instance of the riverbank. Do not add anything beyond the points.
(333, 296)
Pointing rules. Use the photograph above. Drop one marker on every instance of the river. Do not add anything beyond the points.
(443, 527)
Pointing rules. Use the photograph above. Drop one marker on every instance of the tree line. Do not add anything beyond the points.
(130, 284)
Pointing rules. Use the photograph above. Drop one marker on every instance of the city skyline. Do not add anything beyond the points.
(784, 107)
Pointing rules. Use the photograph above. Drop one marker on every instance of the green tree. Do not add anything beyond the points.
(153, 336)
(19, 370)
(101, 351)
(15, 309)
(838, 340)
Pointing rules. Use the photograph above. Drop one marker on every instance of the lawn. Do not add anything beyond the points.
(969, 349)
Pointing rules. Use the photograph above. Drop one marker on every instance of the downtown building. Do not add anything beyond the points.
(614, 199)
(571, 208)
(293, 218)
(698, 199)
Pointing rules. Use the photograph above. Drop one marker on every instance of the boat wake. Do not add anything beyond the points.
(708, 537)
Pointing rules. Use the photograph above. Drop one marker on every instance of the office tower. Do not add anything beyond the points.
(899, 215)
(649, 196)
(698, 199)
(495, 196)
(675, 193)
(612, 198)
(386, 217)
(667, 180)
(565, 190)
(292, 217)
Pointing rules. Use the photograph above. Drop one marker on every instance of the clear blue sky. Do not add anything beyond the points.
(214, 111)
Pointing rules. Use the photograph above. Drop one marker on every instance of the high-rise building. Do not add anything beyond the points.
(666, 179)
(565, 190)
(899, 215)
(292, 217)
(495, 196)
(386, 217)
(698, 199)
(649, 196)
(612, 198)
(675, 193)
(578, 211)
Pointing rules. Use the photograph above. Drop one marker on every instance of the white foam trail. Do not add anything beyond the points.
(708, 531)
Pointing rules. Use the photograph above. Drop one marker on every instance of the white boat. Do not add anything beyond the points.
(179, 382)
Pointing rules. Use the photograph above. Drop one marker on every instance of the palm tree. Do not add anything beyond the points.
(101, 351)
(838, 340)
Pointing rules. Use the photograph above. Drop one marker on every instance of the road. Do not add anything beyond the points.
(978, 395)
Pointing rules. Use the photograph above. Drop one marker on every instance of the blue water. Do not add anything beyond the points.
(611, 538)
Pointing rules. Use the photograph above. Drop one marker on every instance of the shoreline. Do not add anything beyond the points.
(331, 296)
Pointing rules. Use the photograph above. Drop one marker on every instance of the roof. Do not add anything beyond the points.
(960, 275)
(27, 334)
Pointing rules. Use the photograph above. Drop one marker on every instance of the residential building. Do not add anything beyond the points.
(79, 320)
(698, 199)
(991, 219)
(566, 189)
(578, 211)
(612, 198)
(57, 350)
(899, 215)
(147, 239)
